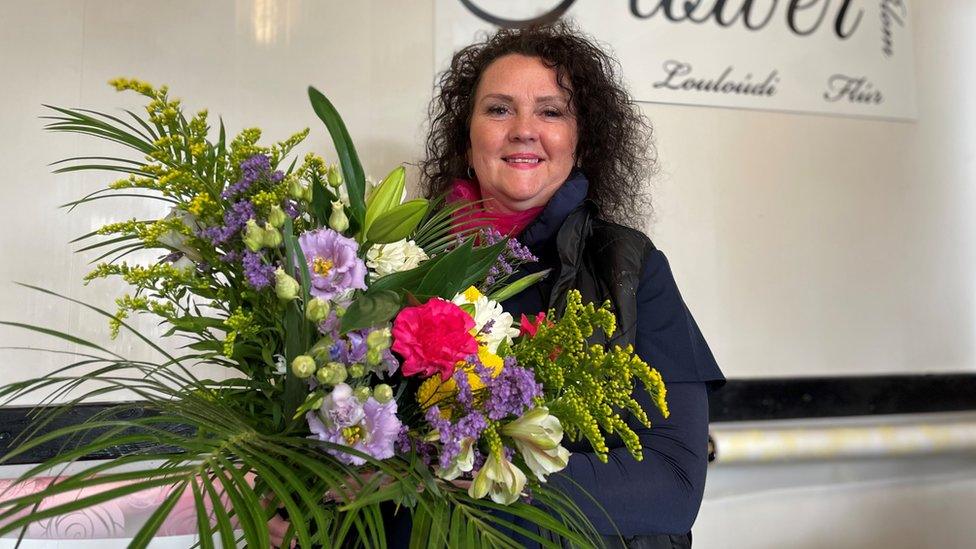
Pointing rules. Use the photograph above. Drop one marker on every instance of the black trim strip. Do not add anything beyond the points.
(738, 400)
(819, 397)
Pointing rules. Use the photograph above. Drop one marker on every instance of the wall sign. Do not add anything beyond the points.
(844, 57)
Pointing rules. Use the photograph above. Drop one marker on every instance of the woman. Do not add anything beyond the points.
(536, 123)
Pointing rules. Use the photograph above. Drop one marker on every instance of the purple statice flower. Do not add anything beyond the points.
(465, 396)
(235, 219)
(259, 274)
(519, 252)
(452, 434)
(404, 443)
(371, 428)
(490, 236)
(479, 462)
(514, 254)
(332, 263)
(255, 169)
(290, 207)
(232, 256)
(511, 392)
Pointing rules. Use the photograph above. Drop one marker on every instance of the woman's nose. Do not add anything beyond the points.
(523, 129)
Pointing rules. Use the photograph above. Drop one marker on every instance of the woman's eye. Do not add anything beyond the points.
(497, 110)
(552, 113)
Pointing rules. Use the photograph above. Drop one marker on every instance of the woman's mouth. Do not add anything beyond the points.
(523, 161)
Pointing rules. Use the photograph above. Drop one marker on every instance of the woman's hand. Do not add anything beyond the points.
(277, 527)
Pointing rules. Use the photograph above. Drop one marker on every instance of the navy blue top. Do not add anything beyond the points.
(662, 493)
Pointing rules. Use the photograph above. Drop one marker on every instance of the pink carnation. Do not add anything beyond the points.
(433, 337)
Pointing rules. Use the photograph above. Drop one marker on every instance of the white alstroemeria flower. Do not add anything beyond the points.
(177, 240)
(492, 324)
(537, 435)
(463, 463)
(281, 367)
(499, 478)
(402, 255)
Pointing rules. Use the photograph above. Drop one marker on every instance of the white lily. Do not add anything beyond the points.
(499, 478)
(537, 435)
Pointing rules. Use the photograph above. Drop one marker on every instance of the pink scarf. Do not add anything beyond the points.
(476, 216)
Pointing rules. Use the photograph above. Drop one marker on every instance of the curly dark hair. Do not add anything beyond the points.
(615, 150)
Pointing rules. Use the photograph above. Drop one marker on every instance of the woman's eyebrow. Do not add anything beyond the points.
(510, 99)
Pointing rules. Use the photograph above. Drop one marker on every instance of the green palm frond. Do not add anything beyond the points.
(195, 437)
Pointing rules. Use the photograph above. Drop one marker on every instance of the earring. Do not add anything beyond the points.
(470, 173)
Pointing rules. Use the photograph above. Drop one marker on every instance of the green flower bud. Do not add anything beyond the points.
(362, 393)
(340, 373)
(324, 375)
(286, 287)
(303, 366)
(253, 236)
(334, 176)
(383, 393)
(272, 236)
(277, 216)
(373, 357)
(379, 339)
(332, 373)
(307, 194)
(317, 309)
(338, 220)
(296, 190)
(356, 370)
(321, 351)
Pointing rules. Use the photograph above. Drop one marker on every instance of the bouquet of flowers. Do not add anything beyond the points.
(371, 359)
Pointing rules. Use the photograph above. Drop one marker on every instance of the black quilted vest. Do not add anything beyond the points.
(603, 261)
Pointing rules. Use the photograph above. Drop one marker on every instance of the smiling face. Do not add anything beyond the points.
(523, 134)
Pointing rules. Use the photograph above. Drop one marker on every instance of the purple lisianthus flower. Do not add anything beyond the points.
(332, 263)
(371, 428)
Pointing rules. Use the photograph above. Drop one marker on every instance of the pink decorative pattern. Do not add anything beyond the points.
(118, 518)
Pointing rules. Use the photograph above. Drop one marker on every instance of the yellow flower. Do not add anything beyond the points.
(433, 390)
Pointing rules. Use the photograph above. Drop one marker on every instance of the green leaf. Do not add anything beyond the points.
(149, 529)
(352, 169)
(398, 222)
(369, 310)
(321, 202)
(518, 286)
(446, 277)
(481, 261)
(385, 197)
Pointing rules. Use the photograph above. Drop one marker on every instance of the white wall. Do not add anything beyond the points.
(805, 245)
